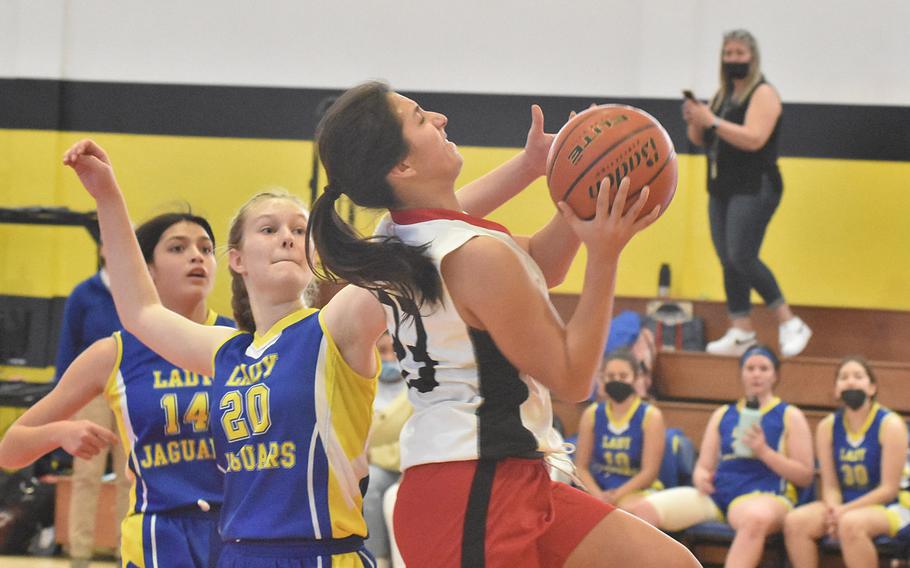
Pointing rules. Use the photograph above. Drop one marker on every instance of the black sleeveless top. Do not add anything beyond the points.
(734, 171)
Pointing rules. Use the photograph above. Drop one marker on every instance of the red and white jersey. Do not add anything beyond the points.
(469, 401)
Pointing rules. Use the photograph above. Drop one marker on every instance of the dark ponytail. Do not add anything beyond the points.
(359, 141)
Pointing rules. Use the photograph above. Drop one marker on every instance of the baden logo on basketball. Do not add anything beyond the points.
(611, 142)
(647, 152)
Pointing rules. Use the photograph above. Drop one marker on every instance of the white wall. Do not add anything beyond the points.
(835, 51)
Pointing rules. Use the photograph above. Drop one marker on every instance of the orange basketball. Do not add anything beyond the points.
(611, 142)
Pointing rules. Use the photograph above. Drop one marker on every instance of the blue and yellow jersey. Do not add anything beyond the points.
(291, 425)
(162, 415)
(858, 455)
(618, 443)
(736, 475)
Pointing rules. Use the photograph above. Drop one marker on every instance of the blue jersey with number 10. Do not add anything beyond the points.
(290, 429)
(618, 444)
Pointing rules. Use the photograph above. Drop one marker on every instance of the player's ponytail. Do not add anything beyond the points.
(359, 141)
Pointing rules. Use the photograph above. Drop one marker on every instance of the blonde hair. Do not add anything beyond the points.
(240, 297)
(752, 79)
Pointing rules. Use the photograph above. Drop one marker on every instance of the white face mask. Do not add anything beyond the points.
(390, 372)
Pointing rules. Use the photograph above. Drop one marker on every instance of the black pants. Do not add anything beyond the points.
(738, 224)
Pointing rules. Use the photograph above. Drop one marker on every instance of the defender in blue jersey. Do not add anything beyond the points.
(163, 415)
(621, 439)
(292, 399)
(753, 492)
(162, 411)
(290, 423)
(862, 454)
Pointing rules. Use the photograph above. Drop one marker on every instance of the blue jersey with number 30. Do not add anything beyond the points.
(858, 455)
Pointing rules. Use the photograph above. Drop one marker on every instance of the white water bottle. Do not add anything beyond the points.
(749, 416)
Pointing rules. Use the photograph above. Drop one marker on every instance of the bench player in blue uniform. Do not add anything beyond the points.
(293, 390)
(621, 439)
(162, 411)
(752, 492)
(862, 455)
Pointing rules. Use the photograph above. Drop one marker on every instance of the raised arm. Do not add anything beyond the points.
(492, 292)
(183, 342)
(355, 319)
(761, 117)
(485, 194)
(555, 245)
(553, 248)
(47, 425)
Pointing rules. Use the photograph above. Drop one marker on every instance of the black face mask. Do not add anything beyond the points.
(735, 70)
(618, 391)
(854, 398)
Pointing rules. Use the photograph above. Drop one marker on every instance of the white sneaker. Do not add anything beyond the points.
(794, 336)
(734, 342)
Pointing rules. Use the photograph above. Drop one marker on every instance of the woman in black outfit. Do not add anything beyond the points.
(740, 130)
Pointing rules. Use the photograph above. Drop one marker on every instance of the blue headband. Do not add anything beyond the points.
(759, 350)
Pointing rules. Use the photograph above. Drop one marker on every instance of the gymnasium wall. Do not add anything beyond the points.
(206, 102)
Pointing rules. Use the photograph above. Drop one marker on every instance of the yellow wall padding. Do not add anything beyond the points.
(838, 239)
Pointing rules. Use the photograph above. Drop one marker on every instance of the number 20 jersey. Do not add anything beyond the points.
(291, 420)
(469, 401)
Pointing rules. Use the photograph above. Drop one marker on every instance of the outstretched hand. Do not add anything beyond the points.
(611, 230)
(537, 146)
(91, 164)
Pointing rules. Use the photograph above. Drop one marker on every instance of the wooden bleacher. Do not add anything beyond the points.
(689, 386)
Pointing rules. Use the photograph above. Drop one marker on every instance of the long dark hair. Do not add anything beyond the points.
(359, 141)
(149, 233)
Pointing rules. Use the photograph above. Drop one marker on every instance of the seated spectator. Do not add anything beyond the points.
(862, 454)
(621, 439)
(744, 476)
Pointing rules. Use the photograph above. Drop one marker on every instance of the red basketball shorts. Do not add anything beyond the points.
(477, 514)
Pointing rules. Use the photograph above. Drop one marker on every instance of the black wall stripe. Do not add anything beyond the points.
(809, 130)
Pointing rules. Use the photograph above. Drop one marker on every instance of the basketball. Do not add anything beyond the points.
(610, 142)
